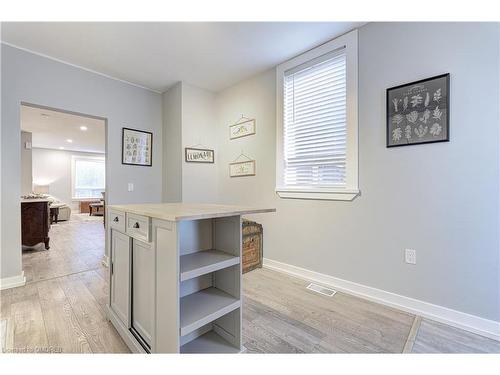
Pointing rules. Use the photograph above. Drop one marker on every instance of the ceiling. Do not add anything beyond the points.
(53, 129)
(210, 55)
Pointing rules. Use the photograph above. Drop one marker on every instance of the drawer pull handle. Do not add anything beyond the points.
(136, 225)
(115, 219)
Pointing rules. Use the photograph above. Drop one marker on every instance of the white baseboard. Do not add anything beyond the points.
(13, 281)
(468, 322)
(105, 261)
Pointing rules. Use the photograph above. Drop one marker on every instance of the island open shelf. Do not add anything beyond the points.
(203, 262)
(205, 306)
(209, 342)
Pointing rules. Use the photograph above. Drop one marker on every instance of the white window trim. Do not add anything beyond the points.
(350, 191)
(74, 158)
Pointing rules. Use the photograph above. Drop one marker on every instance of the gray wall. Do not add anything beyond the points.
(189, 121)
(199, 181)
(30, 78)
(440, 199)
(26, 164)
(172, 144)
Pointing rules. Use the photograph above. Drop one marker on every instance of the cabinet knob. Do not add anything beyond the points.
(136, 225)
(115, 219)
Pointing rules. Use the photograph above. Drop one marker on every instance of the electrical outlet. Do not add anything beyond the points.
(410, 256)
(130, 186)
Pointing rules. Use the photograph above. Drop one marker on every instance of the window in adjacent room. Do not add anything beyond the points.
(317, 129)
(88, 177)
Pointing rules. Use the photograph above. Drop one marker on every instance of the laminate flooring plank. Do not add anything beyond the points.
(365, 326)
(434, 337)
(98, 331)
(410, 341)
(63, 330)
(28, 328)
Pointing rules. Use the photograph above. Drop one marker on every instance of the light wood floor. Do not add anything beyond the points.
(61, 309)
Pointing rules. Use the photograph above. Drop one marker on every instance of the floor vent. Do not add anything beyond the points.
(321, 290)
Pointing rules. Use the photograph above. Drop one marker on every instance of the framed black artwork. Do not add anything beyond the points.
(137, 147)
(419, 112)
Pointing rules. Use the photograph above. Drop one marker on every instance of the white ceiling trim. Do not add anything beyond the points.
(80, 67)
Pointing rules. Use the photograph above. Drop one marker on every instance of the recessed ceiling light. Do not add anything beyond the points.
(69, 140)
(83, 128)
(61, 148)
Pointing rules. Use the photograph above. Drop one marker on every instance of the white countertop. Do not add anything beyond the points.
(187, 211)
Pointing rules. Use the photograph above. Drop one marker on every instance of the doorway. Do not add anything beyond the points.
(63, 185)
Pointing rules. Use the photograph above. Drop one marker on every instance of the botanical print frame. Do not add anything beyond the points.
(242, 168)
(242, 129)
(199, 155)
(137, 147)
(419, 112)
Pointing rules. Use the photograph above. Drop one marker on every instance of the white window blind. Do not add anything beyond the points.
(315, 126)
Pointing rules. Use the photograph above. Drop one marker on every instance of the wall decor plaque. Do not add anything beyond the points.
(242, 128)
(419, 112)
(242, 168)
(198, 155)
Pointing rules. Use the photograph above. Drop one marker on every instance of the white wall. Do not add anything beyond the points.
(26, 164)
(34, 79)
(440, 199)
(54, 167)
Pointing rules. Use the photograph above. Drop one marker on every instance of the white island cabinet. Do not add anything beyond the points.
(175, 276)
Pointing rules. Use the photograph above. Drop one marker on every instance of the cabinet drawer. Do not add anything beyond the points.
(138, 226)
(116, 220)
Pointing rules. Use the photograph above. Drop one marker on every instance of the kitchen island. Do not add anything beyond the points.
(175, 276)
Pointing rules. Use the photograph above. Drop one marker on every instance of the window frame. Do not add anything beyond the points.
(349, 42)
(74, 158)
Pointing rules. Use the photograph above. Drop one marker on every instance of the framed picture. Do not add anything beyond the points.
(137, 147)
(242, 129)
(242, 168)
(199, 155)
(419, 112)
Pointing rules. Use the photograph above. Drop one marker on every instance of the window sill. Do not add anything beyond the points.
(330, 195)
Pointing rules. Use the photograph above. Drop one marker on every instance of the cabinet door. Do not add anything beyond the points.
(142, 289)
(120, 276)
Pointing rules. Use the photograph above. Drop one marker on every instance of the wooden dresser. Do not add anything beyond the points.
(252, 245)
(35, 222)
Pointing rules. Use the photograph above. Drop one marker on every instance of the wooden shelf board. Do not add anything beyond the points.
(203, 262)
(205, 306)
(210, 342)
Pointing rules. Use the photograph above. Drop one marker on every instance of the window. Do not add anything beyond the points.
(88, 177)
(317, 140)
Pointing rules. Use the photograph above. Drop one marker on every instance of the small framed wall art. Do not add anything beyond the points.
(137, 147)
(242, 168)
(199, 155)
(419, 112)
(243, 128)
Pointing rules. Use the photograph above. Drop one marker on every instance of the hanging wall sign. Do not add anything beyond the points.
(419, 112)
(199, 155)
(243, 128)
(242, 168)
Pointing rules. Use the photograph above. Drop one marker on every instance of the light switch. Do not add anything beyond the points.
(130, 186)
